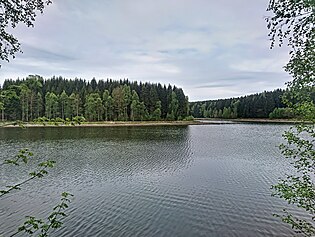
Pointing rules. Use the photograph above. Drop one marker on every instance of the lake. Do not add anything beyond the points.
(198, 180)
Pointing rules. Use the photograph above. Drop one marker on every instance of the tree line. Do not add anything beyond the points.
(103, 100)
(260, 105)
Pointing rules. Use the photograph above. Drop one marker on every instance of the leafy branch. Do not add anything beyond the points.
(299, 189)
(32, 224)
(11, 14)
(301, 226)
(23, 155)
(54, 220)
(39, 173)
(293, 21)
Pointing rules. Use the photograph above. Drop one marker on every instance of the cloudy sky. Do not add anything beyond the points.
(212, 49)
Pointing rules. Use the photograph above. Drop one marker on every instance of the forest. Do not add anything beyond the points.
(260, 105)
(59, 98)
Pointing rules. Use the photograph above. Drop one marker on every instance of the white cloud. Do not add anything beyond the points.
(210, 48)
(259, 65)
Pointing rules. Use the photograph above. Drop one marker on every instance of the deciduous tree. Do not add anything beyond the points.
(292, 23)
(13, 12)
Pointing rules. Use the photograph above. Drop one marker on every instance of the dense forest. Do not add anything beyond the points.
(260, 105)
(59, 98)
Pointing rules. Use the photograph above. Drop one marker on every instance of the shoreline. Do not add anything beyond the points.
(254, 121)
(250, 120)
(197, 121)
(105, 124)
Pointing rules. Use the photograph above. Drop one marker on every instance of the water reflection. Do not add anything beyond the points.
(106, 133)
(89, 157)
(211, 180)
(105, 152)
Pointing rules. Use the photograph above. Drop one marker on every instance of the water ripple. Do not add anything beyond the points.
(153, 181)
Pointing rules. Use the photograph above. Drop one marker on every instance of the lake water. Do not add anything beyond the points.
(200, 180)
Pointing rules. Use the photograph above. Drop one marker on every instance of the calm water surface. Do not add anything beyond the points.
(206, 180)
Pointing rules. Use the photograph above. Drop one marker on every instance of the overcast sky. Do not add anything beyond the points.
(212, 49)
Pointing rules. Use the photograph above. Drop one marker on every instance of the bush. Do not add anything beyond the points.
(189, 118)
(282, 113)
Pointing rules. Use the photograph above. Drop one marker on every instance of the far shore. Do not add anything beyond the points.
(258, 120)
(248, 120)
(197, 121)
(104, 124)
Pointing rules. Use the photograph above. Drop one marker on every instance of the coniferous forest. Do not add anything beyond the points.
(104, 100)
(59, 99)
(260, 105)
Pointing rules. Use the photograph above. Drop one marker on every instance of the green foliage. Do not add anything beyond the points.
(301, 226)
(173, 107)
(13, 13)
(189, 118)
(156, 114)
(293, 20)
(51, 105)
(23, 157)
(119, 103)
(41, 120)
(64, 105)
(108, 105)
(32, 224)
(108, 100)
(2, 110)
(258, 105)
(282, 113)
(25, 101)
(11, 102)
(94, 107)
(74, 104)
(77, 120)
(35, 97)
(299, 189)
(54, 220)
(135, 106)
